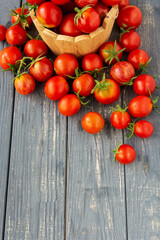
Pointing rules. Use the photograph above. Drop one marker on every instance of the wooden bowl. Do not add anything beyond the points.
(80, 45)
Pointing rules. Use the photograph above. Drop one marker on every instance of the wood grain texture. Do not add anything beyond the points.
(143, 176)
(6, 108)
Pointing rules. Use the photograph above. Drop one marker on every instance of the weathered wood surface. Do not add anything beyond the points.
(62, 183)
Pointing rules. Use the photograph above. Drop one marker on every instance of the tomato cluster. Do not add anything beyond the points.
(73, 18)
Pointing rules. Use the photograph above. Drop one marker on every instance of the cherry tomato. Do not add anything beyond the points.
(110, 52)
(140, 106)
(59, 2)
(69, 105)
(130, 40)
(56, 87)
(3, 31)
(111, 2)
(122, 72)
(143, 129)
(65, 64)
(33, 48)
(68, 27)
(9, 55)
(102, 9)
(49, 15)
(87, 20)
(138, 57)
(84, 83)
(33, 2)
(42, 70)
(91, 61)
(129, 16)
(144, 84)
(92, 122)
(83, 3)
(107, 91)
(120, 119)
(24, 84)
(123, 3)
(21, 17)
(16, 35)
(126, 154)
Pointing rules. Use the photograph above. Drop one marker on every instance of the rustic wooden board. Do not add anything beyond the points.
(36, 190)
(143, 176)
(6, 108)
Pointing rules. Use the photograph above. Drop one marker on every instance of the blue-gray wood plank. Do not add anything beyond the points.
(62, 183)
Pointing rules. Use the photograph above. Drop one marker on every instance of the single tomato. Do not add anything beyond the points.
(83, 84)
(20, 16)
(122, 72)
(3, 31)
(56, 87)
(144, 84)
(92, 122)
(65, 64)
(69, 105)
(87, 20)
(16, 35)
(68, 27)
(120, 119)
(91, 62)
(130, 40)
(138, 57)
(34, 48)
(142, 128)
(125, 154)
(24, 84)
(41, 69)
(49, 15)
(9, 55)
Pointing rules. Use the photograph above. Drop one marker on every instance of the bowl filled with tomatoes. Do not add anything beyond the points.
(77, 27)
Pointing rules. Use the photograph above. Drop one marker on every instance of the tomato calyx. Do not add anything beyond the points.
(33, 61)
(81, 98)
(22, 18)
(143, 67)
(79, 13)
(101, 85)
(113, 53)
(118, 109)
(123, 31)
(154, 101)
(115, 151)
(12, 67)
(32, 7)
(131, 127)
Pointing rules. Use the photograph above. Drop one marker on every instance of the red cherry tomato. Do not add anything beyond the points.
(21, 17)
(140, 106)
(143, 129)
(24, 84)
(102, 9)
(69, 105)
(111, 2)
(34, 48)
(33, 2)
(85, 83)
(138, 57)
(88, 20)
(56, 87)
(16, 35)
(3, 31)
(129, 16)
(126, 154)
(120, 119)
(68, 27)
(92, 122)
(109, 51)
(42, 70)
(130, 40)
(9, 55)
(123, 3)
(144, 84)
(122, 72)
(49, 14)
(65, 64)
(59, 2)
(107, 92)
(91, 61)
(83, 3)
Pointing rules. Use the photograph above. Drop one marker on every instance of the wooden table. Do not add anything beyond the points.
(58, 182)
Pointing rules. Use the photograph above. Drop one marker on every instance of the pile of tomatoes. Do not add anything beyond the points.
(73, 18)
